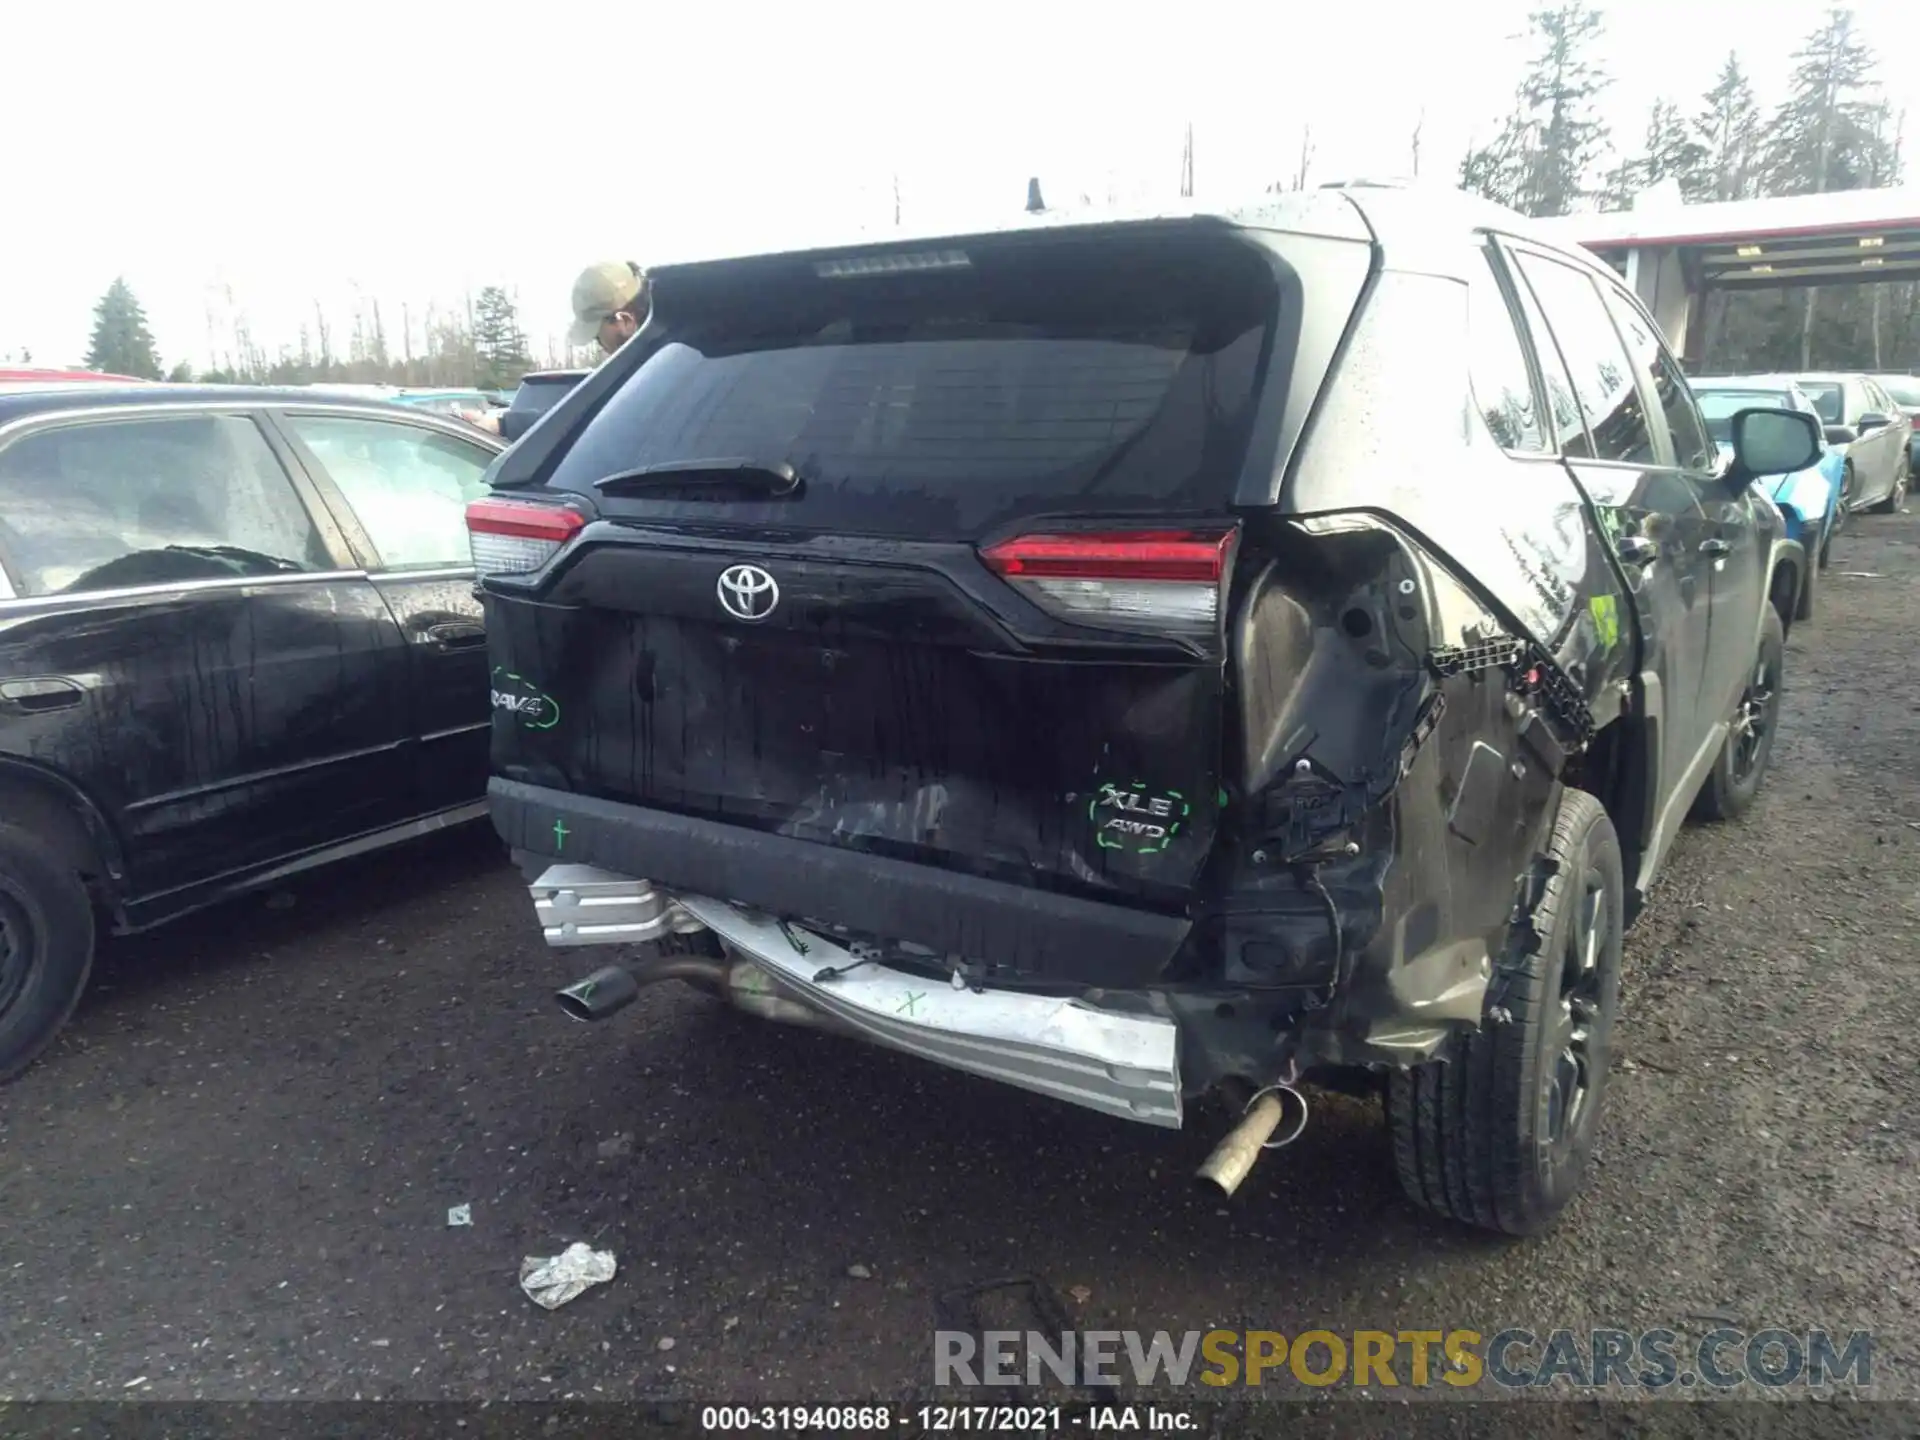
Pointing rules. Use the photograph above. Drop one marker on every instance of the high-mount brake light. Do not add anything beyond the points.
(891, 263)
(1167, 581)
(516, 537)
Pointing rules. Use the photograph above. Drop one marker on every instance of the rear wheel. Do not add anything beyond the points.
(1891, 505)
(1498, 1132)
(46, 948)
(1803, 606)
(1734, 782)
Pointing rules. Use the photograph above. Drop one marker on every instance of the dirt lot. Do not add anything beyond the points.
(232, 1178)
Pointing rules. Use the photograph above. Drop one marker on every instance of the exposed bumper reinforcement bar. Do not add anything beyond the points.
(1125, 1065)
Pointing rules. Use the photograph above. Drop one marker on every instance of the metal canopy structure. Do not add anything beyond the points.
(1674, 255)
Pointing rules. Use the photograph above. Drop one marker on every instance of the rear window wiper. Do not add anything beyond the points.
(775, 479)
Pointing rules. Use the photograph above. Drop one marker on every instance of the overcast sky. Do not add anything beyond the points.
(413, 150)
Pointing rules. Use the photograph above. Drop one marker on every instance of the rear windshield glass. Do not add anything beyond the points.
(1904, 392)
(1087, 378)
(1720, 406)
(1826, 398)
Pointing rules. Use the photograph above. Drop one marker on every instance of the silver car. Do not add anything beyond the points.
(1860, 415)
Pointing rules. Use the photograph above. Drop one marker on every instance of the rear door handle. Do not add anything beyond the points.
(458, 635)
(1715, 547)
(37, 697)
(1638, 550)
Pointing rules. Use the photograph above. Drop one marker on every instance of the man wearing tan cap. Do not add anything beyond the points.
(609, 306)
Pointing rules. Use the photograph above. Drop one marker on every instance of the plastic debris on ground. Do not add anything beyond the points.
(552, 1282)
(460, 1215)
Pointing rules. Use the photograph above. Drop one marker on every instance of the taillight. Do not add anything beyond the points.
(513, 537)
(1163, 580)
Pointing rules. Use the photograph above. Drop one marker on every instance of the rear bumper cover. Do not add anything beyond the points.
(1037, 932)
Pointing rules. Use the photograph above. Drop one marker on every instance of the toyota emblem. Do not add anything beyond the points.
(747, 592)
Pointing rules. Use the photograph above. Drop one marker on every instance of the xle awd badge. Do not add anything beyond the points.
(747, 592)
(1146, 823)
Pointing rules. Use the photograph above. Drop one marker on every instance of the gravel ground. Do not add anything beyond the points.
(232, 1178)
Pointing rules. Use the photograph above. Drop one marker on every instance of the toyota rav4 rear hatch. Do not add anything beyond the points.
(922, 554)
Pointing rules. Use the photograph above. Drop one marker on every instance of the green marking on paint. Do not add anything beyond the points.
(560, 833)
(906, 1006)
(1606, 619)
(545, 704)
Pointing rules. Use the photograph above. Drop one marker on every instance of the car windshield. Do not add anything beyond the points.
(1826, 398)
(1905, 393)
(1720, 406)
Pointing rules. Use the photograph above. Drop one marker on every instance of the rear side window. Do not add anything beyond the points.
(409, 487)
(107, 505)
(1502, 384)
(1089, 377)
(1602, 371)
(1691, 449)
(1827, 399)
(1563, 408)
(1905, 393)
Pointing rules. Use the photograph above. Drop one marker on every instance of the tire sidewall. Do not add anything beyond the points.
(1594, 847)
(1739, 795)
(58, 921)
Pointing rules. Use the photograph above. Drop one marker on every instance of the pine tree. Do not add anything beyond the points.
(1822, 137)
(1561, 92)
(1623, 183)
(1494, 169)
(1542, 160)
(500, 348)
(1827, 135)
(1729, 129)
(122, 344)
(1673, 152)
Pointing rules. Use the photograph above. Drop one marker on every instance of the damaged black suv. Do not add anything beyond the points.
(1145, 659)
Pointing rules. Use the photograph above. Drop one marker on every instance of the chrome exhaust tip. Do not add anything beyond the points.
(1234, 1156)
(614, 988)
(603, 993)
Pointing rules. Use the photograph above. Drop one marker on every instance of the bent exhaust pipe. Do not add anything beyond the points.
(1233, 1157)
(741, 983)
(611, 989)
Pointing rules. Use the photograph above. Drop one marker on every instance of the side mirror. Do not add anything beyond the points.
(1841, 434)
(1773, 442)
(1872, 420)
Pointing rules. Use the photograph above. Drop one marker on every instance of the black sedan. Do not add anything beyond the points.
(238, 638)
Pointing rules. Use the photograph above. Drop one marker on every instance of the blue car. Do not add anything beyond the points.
(1809, 499)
